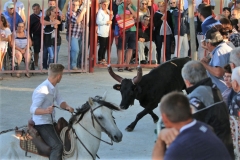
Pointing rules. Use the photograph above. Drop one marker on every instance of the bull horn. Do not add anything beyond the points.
(138, 78)
(115, 76)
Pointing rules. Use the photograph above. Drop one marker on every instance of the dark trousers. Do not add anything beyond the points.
(103, 43)
(159, 41)
(45, 57)
(49, 135)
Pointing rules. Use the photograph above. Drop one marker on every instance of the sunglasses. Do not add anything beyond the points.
(172, 2)
(144, 3)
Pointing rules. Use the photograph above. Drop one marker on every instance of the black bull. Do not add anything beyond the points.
(150, 88)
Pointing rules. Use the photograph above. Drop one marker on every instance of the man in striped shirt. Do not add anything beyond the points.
(74, 31)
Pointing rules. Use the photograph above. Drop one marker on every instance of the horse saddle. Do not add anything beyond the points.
(31, 140)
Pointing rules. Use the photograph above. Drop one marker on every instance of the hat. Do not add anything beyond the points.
(10, 5)
(213, 36)
(102, 1)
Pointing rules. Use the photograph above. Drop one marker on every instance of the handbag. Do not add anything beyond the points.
(129, 22)
(168, 29)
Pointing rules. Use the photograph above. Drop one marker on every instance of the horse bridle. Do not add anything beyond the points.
(93, 117)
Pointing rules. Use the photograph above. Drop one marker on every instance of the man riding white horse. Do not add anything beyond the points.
(42, 109)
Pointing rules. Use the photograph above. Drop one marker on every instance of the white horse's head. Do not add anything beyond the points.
(98, 114)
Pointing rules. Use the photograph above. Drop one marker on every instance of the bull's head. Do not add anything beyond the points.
(128, 87)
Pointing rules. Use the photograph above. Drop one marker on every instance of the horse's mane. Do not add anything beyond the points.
(80, 110)
(85, 107)
(107, 104)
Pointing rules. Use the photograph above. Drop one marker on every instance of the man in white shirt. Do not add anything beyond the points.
(42, 109)
(19, 7)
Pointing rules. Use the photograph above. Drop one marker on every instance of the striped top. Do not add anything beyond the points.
(20, 42)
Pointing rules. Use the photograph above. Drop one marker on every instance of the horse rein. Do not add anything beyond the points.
(93, 118)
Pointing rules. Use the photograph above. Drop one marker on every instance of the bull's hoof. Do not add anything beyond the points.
(129, 129)
(155, 120)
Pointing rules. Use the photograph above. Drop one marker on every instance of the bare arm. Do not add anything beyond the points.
(30, 42)
(9, 39)
(165, 138)
(45, 23)
(65, 106)
(81, 15)
(22, 14)
(132, 11)
(159, 150)
(215, 71)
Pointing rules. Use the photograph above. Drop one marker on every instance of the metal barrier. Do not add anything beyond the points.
(89, 53)
(84, 63)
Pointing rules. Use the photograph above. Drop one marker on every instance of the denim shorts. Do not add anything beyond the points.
(130, 40)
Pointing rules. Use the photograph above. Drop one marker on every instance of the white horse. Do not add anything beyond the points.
(97, 118)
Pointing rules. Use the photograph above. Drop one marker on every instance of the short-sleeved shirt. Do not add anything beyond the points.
(198, 142)
(4, 33)
(10, 19)
(127, 12)
(220, 57)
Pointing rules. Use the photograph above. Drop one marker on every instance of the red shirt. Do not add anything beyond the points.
(144, 28)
